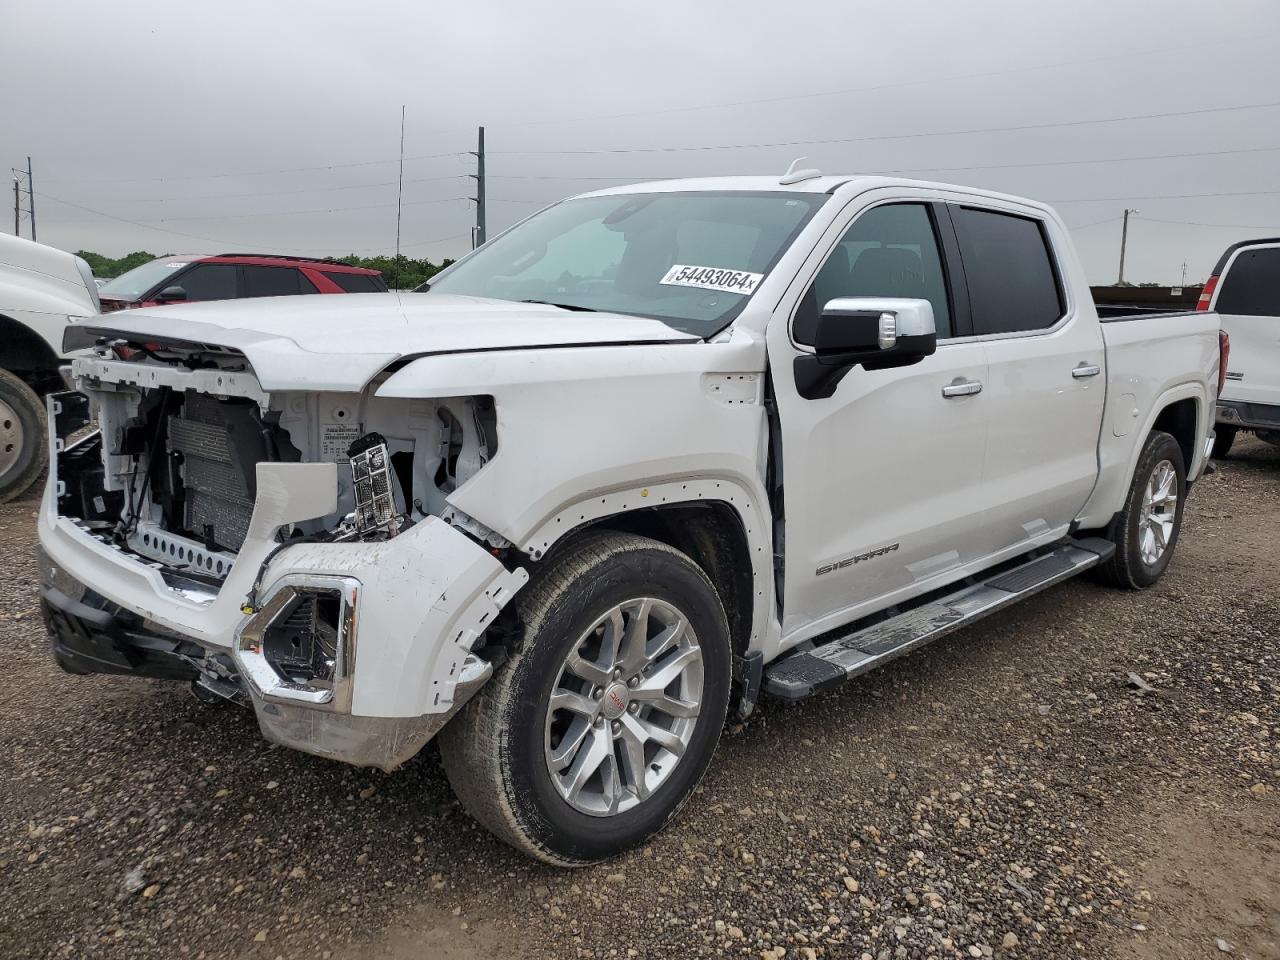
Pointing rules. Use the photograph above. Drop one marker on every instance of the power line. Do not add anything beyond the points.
(285, 193)
(291, 213)
(1196, 223)
(899, 136)
(423, 243)
(264, 173)
(1172, 196)
(1198, 46)
(232, 244)
(1096, 223)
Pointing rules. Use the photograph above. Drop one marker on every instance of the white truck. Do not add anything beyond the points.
(42, 289)
(1244, 290)
(647, 456)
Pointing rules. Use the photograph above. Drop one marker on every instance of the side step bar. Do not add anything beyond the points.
(796, 676)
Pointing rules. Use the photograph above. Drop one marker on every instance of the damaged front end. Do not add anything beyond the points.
(292, 550)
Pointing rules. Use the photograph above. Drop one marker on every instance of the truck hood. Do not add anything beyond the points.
(339, 341)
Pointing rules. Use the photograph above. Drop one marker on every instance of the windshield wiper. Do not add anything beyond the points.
(563, 306)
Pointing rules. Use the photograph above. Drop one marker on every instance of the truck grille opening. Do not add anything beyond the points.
(206, 484)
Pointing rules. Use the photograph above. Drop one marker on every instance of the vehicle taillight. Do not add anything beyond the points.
(1206, 295)
(1224, 354)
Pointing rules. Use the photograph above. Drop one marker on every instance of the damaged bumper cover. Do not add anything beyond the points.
(412, 614)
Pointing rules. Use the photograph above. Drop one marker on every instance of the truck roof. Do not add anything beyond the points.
(1222, 260)
(826, 183)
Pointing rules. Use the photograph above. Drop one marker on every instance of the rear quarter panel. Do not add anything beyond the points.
(1152, 362)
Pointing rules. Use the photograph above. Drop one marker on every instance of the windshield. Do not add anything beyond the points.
(132, 285)
(691, 260)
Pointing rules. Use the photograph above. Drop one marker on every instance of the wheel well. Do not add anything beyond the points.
(710, 533)
(25, 353)
(1179, 419)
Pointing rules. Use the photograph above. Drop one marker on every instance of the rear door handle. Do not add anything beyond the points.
(961, 388)
(1085, 370)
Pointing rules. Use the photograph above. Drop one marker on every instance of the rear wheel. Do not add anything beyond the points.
(22, 437)
(600, 725)
(1146, 529)
(1222, 439)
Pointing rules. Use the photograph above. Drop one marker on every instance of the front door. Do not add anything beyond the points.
(881, 480)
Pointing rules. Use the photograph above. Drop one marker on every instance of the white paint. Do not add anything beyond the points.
(1255, 346)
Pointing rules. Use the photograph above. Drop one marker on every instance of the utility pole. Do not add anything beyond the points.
(1124, 239)
(477, 238)
(1184, 273)
(400, 194)
(17, 210)
(31, 199)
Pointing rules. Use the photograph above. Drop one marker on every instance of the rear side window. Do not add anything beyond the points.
(889, 251)
(208, 281)
(1251, 286)
(275, 282)
(358, 282)
(1013, 285)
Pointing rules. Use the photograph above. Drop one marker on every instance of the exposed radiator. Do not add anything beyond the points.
(219, 444)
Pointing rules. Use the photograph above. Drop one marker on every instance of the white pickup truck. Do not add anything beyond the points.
(1244, 290)
(42, 289)
(647, 456)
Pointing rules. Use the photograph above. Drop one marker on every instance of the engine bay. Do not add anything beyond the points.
(171, 474)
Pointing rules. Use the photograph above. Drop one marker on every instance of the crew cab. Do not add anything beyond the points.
(226, 276)
(650, 455)
(1244, 290)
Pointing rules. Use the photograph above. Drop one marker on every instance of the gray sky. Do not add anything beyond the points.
(274, 126)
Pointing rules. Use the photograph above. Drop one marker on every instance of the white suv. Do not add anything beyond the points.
(1245, 291)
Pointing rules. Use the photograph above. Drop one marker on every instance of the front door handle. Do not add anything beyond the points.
(1084, 370)
(961, 388)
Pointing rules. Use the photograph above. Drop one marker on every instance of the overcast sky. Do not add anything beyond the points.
(274, 126)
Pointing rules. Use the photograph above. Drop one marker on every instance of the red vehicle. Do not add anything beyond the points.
(227, 276)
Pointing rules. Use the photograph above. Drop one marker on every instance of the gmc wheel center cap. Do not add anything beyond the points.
(615, 702)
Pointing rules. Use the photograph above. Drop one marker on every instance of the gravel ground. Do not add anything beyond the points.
(1010, 792)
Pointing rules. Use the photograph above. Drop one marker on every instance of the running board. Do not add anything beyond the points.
(798, 675)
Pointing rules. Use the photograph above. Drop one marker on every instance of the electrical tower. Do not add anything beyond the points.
(478, 232)
(18, 176)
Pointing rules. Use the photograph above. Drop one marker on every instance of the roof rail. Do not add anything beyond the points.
(283, 256)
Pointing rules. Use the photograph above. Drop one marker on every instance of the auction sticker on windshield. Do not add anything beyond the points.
(712, 278)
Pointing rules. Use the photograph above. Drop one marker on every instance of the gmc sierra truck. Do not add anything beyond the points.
(648, 456)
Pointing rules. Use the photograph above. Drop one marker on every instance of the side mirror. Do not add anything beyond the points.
(875, 332)
(175, 293)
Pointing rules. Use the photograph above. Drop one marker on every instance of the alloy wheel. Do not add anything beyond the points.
(624, 707)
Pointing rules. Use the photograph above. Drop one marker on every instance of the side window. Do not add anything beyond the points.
(275, 282)
(358, 282)
(1013, 285)
(209, 281)
(889, 251)
(1251, 287)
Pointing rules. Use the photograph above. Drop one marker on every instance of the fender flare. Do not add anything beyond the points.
(749, 506)
(1183, 391)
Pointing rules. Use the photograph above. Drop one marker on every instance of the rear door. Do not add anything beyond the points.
(1248, 303)
(1046, 383)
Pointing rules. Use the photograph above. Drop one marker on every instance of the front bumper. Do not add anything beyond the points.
(420, 604)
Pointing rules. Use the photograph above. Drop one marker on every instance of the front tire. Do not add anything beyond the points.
(1146, 529)
(1223, 437)
(22, 437)
(605, 718)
